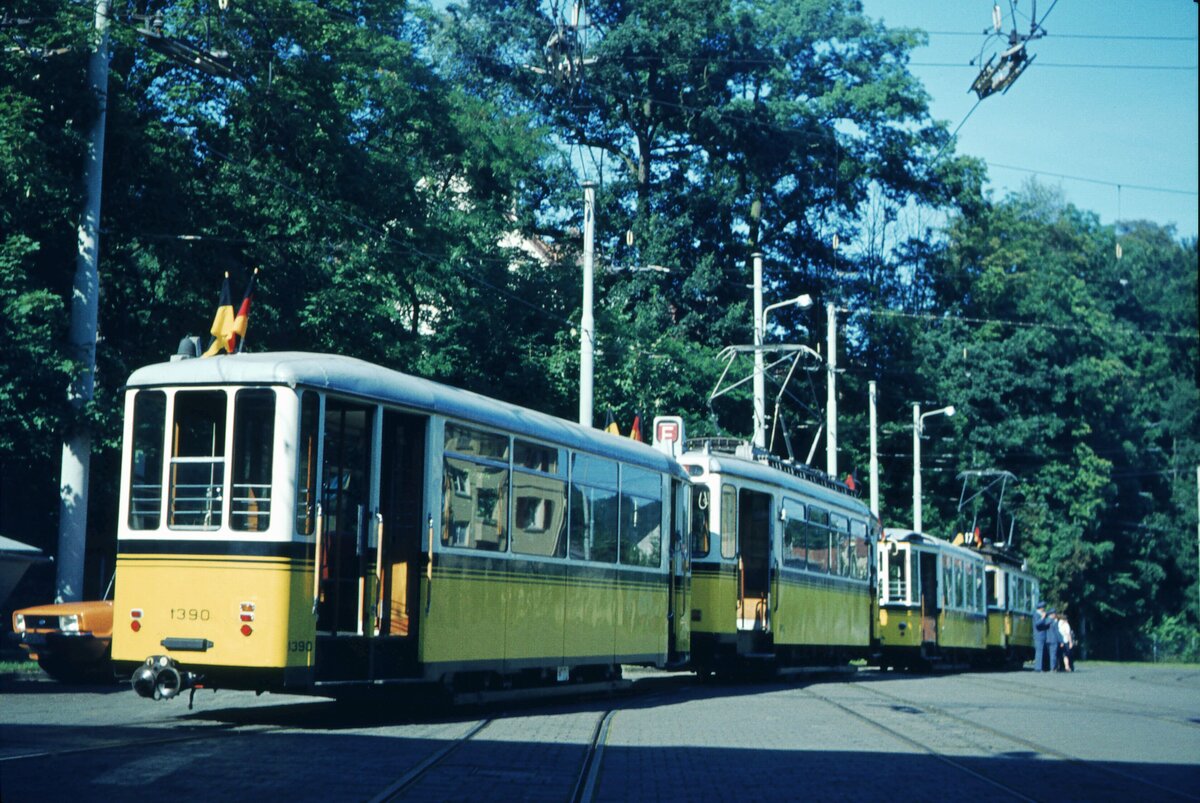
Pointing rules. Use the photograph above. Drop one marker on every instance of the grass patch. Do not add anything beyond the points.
(25, 667)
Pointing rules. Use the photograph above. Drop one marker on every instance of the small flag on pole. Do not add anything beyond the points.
(635, 431)
(611, 425)
(222, 322)
(237, 336)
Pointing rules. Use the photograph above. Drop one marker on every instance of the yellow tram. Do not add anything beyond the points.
(932, 604)
(1012, 594)
(783, 570)
(308, 522)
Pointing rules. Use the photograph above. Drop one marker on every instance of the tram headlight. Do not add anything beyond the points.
(19, 623)
(69, 624)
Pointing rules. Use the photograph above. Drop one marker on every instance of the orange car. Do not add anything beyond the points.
(71, 641)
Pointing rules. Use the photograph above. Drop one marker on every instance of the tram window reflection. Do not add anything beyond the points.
(539, 515)
(475, 500)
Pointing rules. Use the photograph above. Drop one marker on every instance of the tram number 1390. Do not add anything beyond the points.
(190, 614)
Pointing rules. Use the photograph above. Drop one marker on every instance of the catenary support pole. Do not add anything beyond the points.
(831, 396)
(77, 445)
(760, 384)
(874, 398)
(917, 468)
(587, 323)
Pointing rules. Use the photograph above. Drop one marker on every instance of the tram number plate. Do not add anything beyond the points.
(190, 614)
(564, 674)
(300, 646)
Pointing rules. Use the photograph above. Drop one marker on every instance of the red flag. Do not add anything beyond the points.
(222, 322)
(237, 332)
(850, 483)
(635, 431)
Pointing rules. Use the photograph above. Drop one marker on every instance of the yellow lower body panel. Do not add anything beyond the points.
(826, 614)
(203, 600)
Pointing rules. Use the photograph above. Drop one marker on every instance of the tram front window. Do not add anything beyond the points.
(197, 460)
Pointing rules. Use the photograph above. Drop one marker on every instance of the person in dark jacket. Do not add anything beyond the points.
(1041, 628)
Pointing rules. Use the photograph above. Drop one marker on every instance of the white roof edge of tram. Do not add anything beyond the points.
(358, 377)
(733, 465)
(903, 535)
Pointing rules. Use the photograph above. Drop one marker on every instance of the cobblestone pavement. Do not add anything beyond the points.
(1106, 732)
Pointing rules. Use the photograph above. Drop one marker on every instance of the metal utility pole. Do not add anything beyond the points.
(831, 384)
(874, 398)
(587, 323)
(760, 388)
(77, 447)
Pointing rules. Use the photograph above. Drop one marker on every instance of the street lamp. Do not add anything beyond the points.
(803, 301)
(918, 427)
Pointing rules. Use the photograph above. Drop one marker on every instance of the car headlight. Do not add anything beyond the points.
(19, 623)
(69, 624)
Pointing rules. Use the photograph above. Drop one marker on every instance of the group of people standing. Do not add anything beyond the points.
(1053, 641)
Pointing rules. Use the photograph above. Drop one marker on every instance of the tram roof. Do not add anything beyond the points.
(732, 465)
(901, 535)
(360, 378)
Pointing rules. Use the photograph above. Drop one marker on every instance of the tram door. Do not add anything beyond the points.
(345, 505)
(395, 604)
(929, 595)
(754, 546)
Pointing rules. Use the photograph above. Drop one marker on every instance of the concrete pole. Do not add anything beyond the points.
(874, 398)
(917, 468)
(587, 323)
(831, 398)
(760, 388)
(1198, 542)
(77, 446)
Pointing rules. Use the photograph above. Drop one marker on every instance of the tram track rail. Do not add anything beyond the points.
(582, 791)
(1037, 747)
(1057, 694)
(920, 745)
(221, 732)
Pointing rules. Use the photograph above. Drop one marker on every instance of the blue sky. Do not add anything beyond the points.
(1088, 107)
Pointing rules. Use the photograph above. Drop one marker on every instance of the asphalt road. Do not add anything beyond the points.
(1106, 732)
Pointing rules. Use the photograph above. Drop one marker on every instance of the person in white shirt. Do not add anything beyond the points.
(1066, 647)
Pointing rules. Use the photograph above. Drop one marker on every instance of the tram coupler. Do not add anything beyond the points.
(160, 678)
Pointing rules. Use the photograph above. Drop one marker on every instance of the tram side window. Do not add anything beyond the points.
(595, 509)
(306, 473)
(539, 501)
(253, 450)
(145, 475)
(959, 599)
(795, 555)
(862, 550)
(641, 517)
(840, 546)
(197, 477)
(993, 588)
(817, 537)
(474, 505)
(729, 520)
(700, 530)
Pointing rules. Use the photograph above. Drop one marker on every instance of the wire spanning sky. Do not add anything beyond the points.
(1111, 99)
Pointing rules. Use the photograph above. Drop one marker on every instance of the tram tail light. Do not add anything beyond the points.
(247, 630)
(135, 619)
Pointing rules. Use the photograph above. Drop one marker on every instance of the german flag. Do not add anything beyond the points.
(611, 426)
(635, 431)
(237, 334)
(222, 324)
